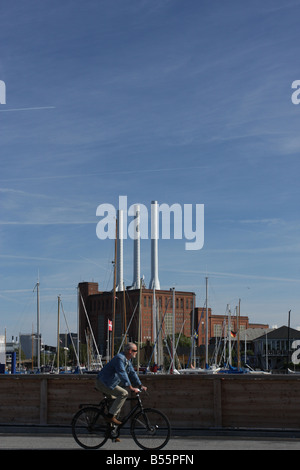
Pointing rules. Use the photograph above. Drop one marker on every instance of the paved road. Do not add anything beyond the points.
(178, 444)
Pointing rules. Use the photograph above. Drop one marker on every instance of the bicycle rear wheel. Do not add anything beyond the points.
(150, 429)
(89, 428)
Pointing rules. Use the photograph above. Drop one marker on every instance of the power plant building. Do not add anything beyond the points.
(129, 305)
(150, 308)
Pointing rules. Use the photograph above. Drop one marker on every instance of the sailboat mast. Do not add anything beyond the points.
(154, 323)
(114, 294)
(78, 327)
(193, 335)
(38, 325)
(173, 331)
(238, 336)
(37, 286)
(124, 314)
(206, 323)
(139, 330)
(58, 321)
(229, 335)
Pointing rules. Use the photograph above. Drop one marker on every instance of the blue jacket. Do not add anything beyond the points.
(118, 370)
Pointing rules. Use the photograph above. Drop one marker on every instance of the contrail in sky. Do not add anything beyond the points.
(26, 109)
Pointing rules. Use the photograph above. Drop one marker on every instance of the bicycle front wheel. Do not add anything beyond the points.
(150, 429)
(89, 428)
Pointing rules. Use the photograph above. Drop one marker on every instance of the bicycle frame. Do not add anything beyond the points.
(145, 422)
(138, 406)
(101, 406)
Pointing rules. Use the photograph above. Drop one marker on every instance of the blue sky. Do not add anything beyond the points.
(184, 102)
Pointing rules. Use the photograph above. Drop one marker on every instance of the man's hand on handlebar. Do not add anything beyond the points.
(137, 390)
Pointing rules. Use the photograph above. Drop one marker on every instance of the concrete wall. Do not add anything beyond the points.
(189, 401)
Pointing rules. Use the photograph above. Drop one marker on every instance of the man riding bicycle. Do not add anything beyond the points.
(119, 371)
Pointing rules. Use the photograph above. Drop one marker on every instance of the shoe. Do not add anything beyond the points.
(112, 420)
(117, 439)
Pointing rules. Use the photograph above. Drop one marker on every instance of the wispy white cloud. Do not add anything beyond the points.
(37, 221)
(20, 257)
(163, 100)
(103, 173)
(271, 221)
(21, 207)
(237, 275)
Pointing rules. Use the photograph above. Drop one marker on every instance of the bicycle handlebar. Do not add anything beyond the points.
(142, 391)
(139, 392)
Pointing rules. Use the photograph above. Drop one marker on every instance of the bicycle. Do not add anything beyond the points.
(149, 428)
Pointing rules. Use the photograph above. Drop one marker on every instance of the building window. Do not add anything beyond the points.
(217, 331)
(168, 321)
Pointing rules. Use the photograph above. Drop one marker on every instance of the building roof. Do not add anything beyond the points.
(281, 333)
(253, 333)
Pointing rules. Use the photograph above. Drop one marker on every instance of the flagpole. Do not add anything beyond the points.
(107, 346)
(109, 329)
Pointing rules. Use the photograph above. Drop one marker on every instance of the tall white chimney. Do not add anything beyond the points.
(120, 281)
(154, 283)
(137, 251)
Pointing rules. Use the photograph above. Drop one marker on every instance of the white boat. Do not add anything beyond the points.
(199, 370)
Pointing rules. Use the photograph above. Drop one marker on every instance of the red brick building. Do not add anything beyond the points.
(218, 325)
(99, 308)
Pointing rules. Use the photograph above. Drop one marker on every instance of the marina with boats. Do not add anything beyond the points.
(224, 368)
(234, 351)
(173, 335)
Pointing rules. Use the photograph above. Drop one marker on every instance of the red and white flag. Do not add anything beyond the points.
(109, 325)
